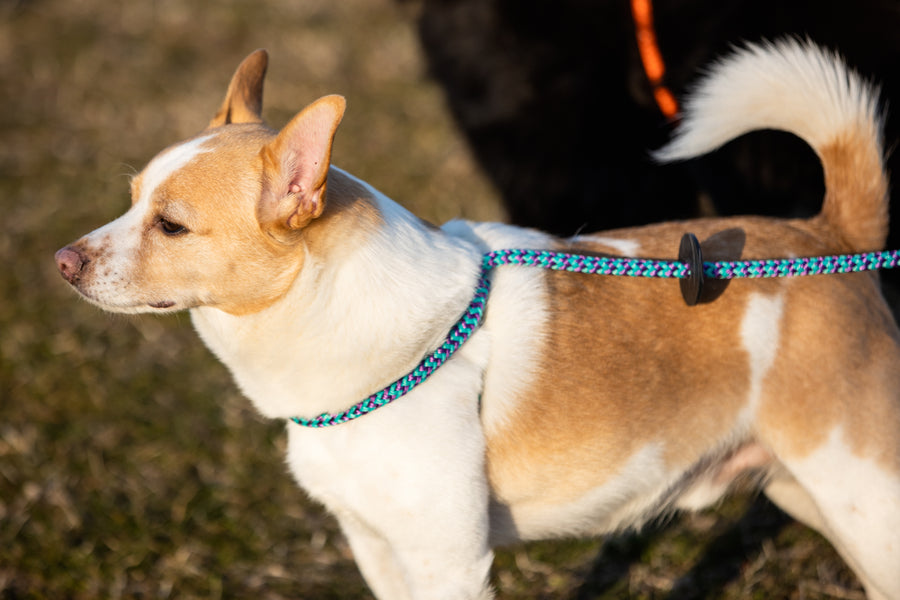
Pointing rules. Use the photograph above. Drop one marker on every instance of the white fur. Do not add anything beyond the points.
(168, 162)
(515, 321)
(624, 247)
(436, 529)
(112, 287)
(860, 504)
(790, 86)
(406, 283)
(760, 336)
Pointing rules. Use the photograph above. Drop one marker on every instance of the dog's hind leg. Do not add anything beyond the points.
(790, 497)
(793, 499)
(852, 501)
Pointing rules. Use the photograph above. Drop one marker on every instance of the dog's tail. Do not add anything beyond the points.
(805, 90)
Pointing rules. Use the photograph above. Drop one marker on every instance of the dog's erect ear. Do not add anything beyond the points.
(243, 100)
(295, 166)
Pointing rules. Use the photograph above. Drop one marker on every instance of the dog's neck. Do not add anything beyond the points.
(379, 288)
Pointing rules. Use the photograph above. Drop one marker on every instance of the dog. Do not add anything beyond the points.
(583, 404)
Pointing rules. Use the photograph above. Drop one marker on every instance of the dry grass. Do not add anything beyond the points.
(129, 464)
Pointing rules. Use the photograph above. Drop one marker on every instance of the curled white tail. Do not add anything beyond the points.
(802, 89)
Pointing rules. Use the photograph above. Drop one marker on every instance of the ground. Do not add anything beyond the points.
(130, 466)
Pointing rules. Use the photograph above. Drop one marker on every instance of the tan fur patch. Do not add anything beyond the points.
(835, 368)
(350, 212)
(856, 198)
(628, 363)
(227, 259)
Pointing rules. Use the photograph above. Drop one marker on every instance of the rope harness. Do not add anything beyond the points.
(689, 269)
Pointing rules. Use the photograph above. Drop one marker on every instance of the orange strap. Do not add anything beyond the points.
(651, 57)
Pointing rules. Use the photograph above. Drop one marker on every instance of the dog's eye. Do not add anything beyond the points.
(171, 228)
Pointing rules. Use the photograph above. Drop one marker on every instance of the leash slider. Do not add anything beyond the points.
(689, 253)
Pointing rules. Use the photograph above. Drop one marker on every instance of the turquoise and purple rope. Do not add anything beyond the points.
(793, 267)
(601, 265)
(640, 267)
(457, 336)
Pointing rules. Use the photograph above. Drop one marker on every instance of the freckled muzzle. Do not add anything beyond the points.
(73, 264)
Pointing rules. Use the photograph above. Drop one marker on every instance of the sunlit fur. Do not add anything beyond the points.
(584, 404)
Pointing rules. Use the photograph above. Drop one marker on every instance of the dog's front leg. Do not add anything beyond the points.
(419, 529)
(375, 559)
(395, 569)
(409, 487)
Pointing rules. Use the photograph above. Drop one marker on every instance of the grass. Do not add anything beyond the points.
(129, 464)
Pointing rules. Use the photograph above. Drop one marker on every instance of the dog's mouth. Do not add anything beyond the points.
(161, 304)
(127, 307)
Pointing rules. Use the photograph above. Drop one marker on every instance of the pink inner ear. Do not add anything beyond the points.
(299, 159)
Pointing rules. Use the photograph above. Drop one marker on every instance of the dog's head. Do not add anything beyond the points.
(219, 219)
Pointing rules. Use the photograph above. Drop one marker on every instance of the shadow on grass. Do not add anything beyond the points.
(720, 563)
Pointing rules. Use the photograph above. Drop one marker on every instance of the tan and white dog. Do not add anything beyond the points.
(584, 404)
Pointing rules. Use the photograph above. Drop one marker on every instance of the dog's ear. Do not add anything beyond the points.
(295, 166)
(243, 100)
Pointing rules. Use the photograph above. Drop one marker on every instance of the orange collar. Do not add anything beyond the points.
(651, 57)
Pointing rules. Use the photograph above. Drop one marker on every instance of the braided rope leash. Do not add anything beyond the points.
(813, 265)
(459, 334)
(640, 267)
(685, 269)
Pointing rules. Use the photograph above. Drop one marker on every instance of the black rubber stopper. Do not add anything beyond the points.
(689, 252)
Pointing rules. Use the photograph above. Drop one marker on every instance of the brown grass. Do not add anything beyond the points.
(129, 464)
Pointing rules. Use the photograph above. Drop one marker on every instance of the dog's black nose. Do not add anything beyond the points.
(70, 262)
